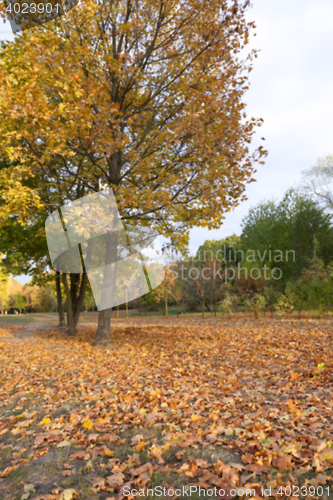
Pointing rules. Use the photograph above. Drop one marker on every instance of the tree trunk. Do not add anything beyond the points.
(74, 282)
(59, 300)
(203, 306)
(103, 328)
(108, 290)
(214, 306)
(166, 304)
(70, 316)
(185, 305)
(79, 299)
(117, 312)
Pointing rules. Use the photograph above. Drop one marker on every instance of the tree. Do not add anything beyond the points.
(23, 241)
(40, 298)
(14, 289)
(283, 235)
(144, 97)
(318, 181)
(271, 298)
(20, 302)
(168, 290)
(255, 304)
(223, 250)
(4, 278)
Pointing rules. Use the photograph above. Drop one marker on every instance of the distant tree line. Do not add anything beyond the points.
(282, 262)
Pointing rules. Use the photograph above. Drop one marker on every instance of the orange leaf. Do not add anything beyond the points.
(141, 446)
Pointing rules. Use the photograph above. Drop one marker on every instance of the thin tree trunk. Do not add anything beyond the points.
(214, 306)
(126, 307)
(185, 304)
(59, 300)
(166, 304)
(75, 278)
(80, 298)
(117, 312)
(70, 317)
(203, 305)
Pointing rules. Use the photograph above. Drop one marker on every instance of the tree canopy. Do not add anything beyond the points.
(145, 97)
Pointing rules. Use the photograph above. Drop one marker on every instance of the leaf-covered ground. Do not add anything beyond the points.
(206, 402)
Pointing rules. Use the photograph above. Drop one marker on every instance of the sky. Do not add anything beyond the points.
(291, 89)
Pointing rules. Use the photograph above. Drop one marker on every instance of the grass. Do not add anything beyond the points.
(24, 319)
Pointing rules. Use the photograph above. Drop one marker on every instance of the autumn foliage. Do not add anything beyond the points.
(237, 404)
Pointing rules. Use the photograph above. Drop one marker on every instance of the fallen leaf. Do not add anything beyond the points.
(69, 494)
(141, 446)
(45, 421)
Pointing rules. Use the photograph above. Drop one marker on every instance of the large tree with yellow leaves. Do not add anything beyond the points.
(144, 96)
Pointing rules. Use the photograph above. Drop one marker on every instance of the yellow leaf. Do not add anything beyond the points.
(7, 471)
(141, 446)
(108, 452)
(327, 455)
(45, 421)
(68, 495)
(88, 425)
(17, 431)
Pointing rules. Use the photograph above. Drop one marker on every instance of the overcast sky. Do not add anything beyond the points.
(291, 89)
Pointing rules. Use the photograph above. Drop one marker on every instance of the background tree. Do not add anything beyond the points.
(296, 224)
(144, 97)
(22, 240)
(4, 278)
(41, 298)
(318, 181)
(168, 290)
(255, 304)
(14, 289)
(20, 302)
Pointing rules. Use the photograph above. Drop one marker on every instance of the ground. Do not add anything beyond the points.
(228, 403)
